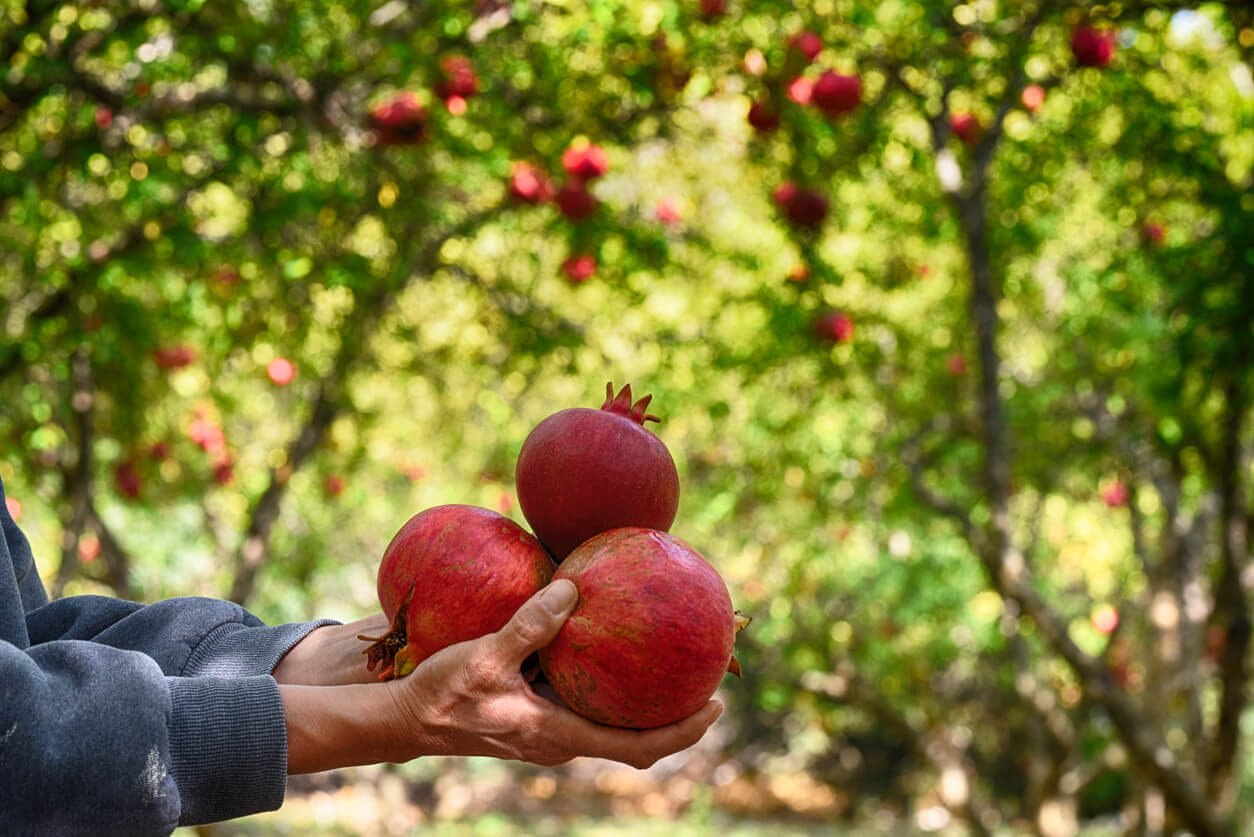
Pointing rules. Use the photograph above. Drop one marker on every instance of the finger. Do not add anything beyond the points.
(536, 623)
(638, 748)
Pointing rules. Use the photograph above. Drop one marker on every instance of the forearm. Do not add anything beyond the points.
(331, 655)
(330, 727)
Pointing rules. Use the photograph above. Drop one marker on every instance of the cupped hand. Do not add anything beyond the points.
(471, 699)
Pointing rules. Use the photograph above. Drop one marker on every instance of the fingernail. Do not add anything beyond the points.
(718, 711)
(560, 596)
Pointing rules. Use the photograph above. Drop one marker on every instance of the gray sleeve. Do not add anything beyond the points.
(97, 740)
(186, 636)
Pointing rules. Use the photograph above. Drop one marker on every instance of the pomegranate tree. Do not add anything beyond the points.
(652, 634)
(583, 471)
(452, 573)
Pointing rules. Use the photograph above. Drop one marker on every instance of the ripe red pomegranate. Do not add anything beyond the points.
(1033, 96)
(763, 117)
(966, 127)
(807, 43)
(836, 94)
(585, 162)
(450, 574)
(126, 478)
(174, 357)
(530, 184)
(800, 90)
(458, 78)
(803, 207)
(652, 634)
(400, 120)
(835, 326)
(575, 201)
(580, 268)
(1092, 47)
(583, 471)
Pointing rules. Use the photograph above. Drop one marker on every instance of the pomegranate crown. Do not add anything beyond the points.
(621, 404)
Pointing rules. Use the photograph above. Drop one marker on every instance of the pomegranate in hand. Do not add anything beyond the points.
(652, 635)
(583, 471)
(452, 573)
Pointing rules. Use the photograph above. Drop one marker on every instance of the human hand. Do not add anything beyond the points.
(472, 699)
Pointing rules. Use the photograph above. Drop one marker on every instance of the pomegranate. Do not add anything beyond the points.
(836, 94)
(450, 574)
(966, 126)
(529, 184)
(400, 120)
(575, 201)
(763, 117)
(807, 43)
(1092, 47)
(583, 471)
(652, 634)
(586, 162)
(803, 207)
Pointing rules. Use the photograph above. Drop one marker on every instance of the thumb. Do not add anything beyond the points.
(535, 624)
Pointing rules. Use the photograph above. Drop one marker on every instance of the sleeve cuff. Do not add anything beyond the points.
(236, 650)
(228, 746)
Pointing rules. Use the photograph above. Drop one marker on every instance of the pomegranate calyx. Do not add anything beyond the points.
(742, 621)
(734, 668)
(621, 404)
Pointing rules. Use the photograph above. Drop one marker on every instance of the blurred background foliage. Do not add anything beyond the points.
(993, 527)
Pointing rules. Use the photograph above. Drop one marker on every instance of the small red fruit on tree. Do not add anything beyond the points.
(281, 371)
(333, 486)
(400, 120)
(159, 451)
(583, 471)
(1116, 494)
(836, 94)
(713, 8)
(575, 201)
(807, 43)
(800, 272)
(104, 118)
(669, 211)
(966, 127)
(836, 326)
(763, 117)
(803, 207)
(652, 635)
(126, 478)
(957, 365)
(586, 162)
(224, 472)
(1154, 233)
(1033, 96)
(1092, 47)
(174, 357)
(1105, 618)
(457, 78)
(800, 90)
(89, 547)
(530, 184)
(450, 574)
(580, 268)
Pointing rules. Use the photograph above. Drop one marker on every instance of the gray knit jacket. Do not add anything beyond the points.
(121, 718)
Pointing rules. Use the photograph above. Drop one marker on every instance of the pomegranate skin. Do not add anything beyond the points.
(582, 471)
(469, 570)
(652, 635)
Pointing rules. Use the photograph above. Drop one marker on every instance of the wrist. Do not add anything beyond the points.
(329, 727)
